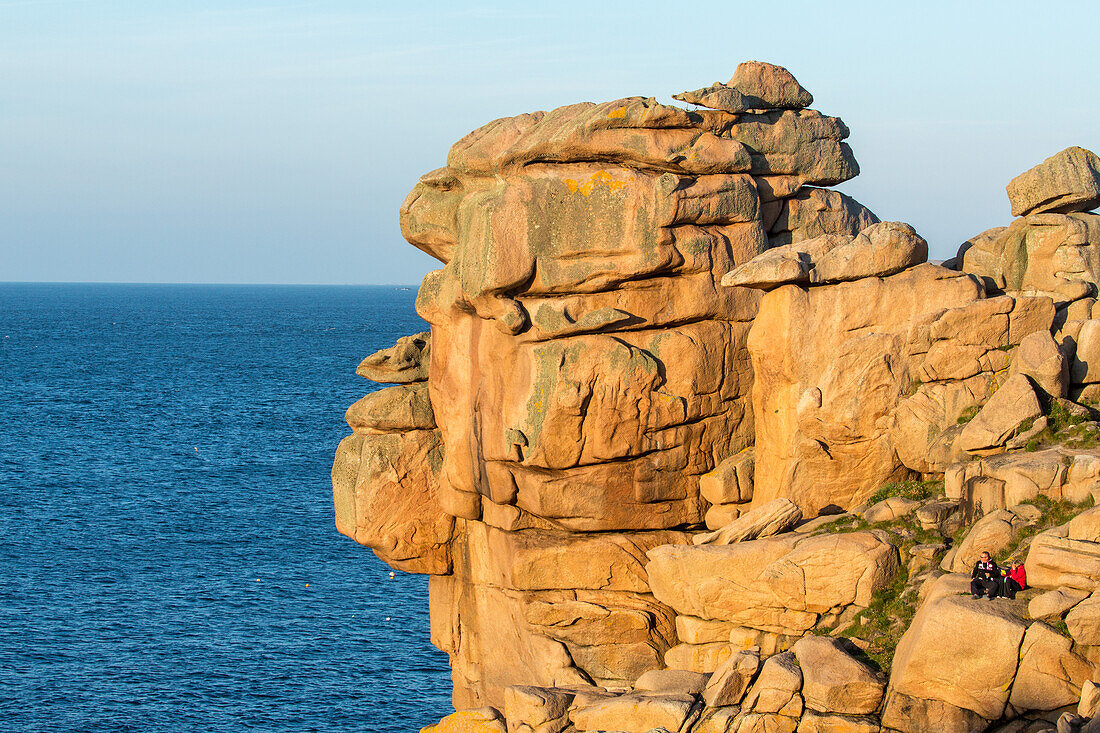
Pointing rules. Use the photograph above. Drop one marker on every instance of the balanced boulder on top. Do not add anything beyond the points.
(1066, 182)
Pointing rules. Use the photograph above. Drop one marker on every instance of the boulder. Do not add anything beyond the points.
(1052, 605)
(634, 713)
(1005, 415)
(536, 709)
(719, 515)
(984, 322)
(1055, 561)
(1089, 705)
(786, 264)
(948, 359)
(890, 509)
(701, 658)
(777, 584)
(919, 715)
(731, 679)
(931, 514)
(675, 681)
(941, 659)
(1085, 365)
(385, 490)
(1009, 479)
(1050, 675)
(926, 423)
(1041, 255)
(1064, 182)
(992, 533)
(835, 682)
(765, 520)
(773, 85)
(778, 683)
(717, 720)
(404, 362)
(482, 720)
(1083, 621)
(731, 481)
(693, 630)
(402, 408)
(721, 97)
(755, 86)
(882, 249)
(1039, 358)
(802, 144)
(812, 212)
(812, 722)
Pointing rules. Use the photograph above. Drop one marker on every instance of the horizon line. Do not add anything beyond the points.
(192, 282)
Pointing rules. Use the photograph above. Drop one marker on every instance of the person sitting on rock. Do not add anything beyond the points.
(1014, 580)
(986, 578)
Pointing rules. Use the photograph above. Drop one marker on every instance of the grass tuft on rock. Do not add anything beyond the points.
(1052, 514)
(883, 622)
(1072, 429)
(909, 490)
(968, 414)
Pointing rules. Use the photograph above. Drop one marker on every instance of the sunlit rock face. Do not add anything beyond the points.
(585, 368)
(652, 321)
(588, 367)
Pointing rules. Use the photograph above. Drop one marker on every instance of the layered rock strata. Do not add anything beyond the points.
(651, 322)
(586, 369)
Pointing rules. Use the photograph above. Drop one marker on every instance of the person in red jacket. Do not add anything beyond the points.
(1014, 580)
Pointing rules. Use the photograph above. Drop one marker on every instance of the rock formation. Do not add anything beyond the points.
(653, 321)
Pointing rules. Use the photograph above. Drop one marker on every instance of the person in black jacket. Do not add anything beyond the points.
(986, 578)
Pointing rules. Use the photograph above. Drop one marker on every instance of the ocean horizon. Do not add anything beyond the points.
(169, 558)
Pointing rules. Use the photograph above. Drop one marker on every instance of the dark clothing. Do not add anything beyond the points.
(1009, 587)
(985, 571)
(986, 579)
(985, 587)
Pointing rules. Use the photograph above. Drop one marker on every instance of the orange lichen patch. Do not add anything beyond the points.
(617, 114)
(598, 178)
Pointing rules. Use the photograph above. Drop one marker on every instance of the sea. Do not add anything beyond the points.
(168, 557)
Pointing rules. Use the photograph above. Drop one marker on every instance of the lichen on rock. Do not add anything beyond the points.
(653, 321)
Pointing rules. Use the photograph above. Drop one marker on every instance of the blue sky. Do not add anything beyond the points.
(269, 141)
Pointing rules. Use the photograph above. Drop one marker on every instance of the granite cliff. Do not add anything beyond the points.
(698, 444)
